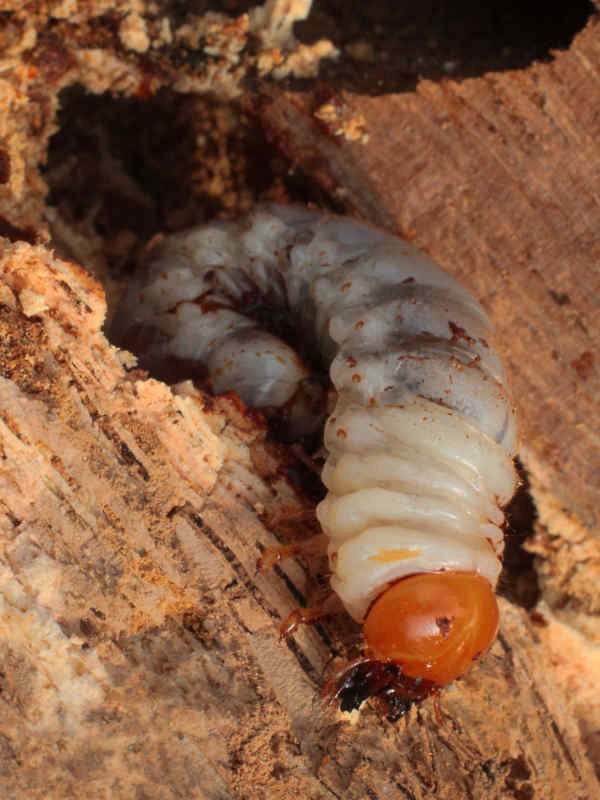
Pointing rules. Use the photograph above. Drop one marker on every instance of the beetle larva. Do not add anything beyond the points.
(421, 441)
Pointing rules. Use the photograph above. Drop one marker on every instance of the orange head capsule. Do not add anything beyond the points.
(433, 625)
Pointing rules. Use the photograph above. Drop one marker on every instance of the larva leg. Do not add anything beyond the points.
(305, 616)
(282, 516)
(314, 546)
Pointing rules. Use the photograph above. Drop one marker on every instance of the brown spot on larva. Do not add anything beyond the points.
(345, 286)
(359, 324)
(444, 624)
(341, 433)
(584, 365)
(351, 362)
(459, 333)
(356, 378)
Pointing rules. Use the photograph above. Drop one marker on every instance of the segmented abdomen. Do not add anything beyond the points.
(423, 433)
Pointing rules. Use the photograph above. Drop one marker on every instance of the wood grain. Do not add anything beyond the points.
(139, 643)
(139, 654)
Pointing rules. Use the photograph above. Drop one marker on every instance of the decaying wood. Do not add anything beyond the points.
(138, 645)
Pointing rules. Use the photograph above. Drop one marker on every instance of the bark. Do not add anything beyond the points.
(139, 646)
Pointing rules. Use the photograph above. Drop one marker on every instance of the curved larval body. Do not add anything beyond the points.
(422, 438)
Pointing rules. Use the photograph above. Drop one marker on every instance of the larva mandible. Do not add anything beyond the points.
(420, 443)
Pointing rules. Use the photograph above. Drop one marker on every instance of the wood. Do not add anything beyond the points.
(139, 645)
(495, 178)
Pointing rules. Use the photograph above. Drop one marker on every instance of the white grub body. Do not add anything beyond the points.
(422, 438)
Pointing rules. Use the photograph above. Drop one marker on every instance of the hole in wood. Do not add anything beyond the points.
(388, 47)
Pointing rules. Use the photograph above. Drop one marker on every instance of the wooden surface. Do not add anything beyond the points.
(138, 645)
